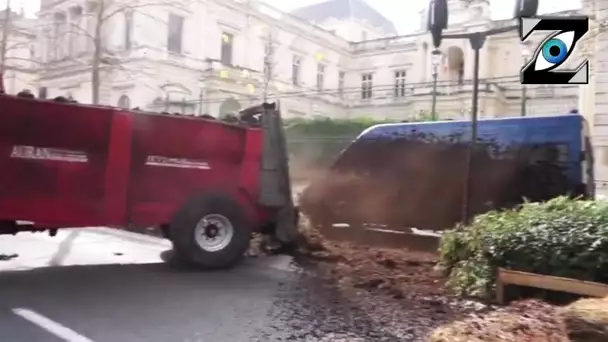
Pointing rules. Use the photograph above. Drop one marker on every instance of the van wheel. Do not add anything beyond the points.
(211, 231)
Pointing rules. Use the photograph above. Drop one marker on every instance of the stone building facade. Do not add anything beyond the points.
(340, 59)
(209, 57)
(594, 102)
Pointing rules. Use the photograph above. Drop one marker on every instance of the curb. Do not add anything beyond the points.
(131, 236)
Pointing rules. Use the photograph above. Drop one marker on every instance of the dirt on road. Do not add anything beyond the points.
(404, 292)
(393, 286)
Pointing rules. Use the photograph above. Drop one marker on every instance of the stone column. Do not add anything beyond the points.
(599, 8)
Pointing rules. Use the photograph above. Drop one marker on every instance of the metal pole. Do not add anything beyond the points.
(268, 61)
(201, 98)
(524, 99)
(434, 103)
(205, 102)
(477, 40)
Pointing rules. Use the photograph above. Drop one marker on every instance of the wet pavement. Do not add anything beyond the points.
(96, 286)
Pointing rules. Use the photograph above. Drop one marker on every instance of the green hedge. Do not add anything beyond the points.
(325, 127)
(562, 237)
(316, 143)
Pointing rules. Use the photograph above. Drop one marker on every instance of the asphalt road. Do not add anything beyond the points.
(93, 286)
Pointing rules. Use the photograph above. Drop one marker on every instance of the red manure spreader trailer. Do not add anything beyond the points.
(207, 184)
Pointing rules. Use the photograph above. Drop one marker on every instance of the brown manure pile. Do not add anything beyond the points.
(587, 320)
(525, 321)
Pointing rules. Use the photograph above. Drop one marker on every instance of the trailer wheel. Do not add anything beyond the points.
(211, 231)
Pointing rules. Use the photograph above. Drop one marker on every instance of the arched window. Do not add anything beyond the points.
(456, 63)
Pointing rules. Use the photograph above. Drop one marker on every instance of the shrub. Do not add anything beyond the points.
(314, 143)
(562, 237)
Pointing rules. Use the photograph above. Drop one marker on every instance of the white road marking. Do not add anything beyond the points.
(51, 326)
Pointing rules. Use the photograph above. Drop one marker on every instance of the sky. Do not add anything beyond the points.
(403, 13)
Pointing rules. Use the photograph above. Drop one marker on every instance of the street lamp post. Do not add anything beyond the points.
(526, 53)
(477, 40)
(435, 60)
(437, 22)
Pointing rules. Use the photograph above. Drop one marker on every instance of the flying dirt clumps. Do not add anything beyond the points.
(419, 181)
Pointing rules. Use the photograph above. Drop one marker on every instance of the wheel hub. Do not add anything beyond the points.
(213, 232)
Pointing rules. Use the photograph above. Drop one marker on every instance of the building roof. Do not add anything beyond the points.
(343, 9)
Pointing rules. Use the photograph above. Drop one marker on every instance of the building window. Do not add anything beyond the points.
(226, 54)
(295, 70)
(461, 73)
(48, 51)
(175, 34)
(320, 76)
(366, 86)
(399, 83)
(59, 43)
(341, 77)
(75, 19)
(128, 30)
(92, 6)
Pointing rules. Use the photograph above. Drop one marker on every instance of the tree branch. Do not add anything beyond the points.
(23, 59)
(16, 45)
(72, 25)
(14, 76)
(132, 7)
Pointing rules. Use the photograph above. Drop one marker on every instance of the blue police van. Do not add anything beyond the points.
(422, 174)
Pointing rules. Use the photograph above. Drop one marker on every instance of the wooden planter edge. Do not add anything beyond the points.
(581, 287)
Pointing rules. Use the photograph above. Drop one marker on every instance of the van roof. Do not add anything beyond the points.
(487, 126)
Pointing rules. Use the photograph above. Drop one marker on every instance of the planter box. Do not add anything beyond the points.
(510, 277)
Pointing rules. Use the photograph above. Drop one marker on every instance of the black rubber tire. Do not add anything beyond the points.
(182, 232)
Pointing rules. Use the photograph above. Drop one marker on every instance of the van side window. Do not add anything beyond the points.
(563, 153)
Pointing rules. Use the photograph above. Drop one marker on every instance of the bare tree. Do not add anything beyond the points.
(16, 43)
(6, 28)
(106, 10)
(102, 14)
